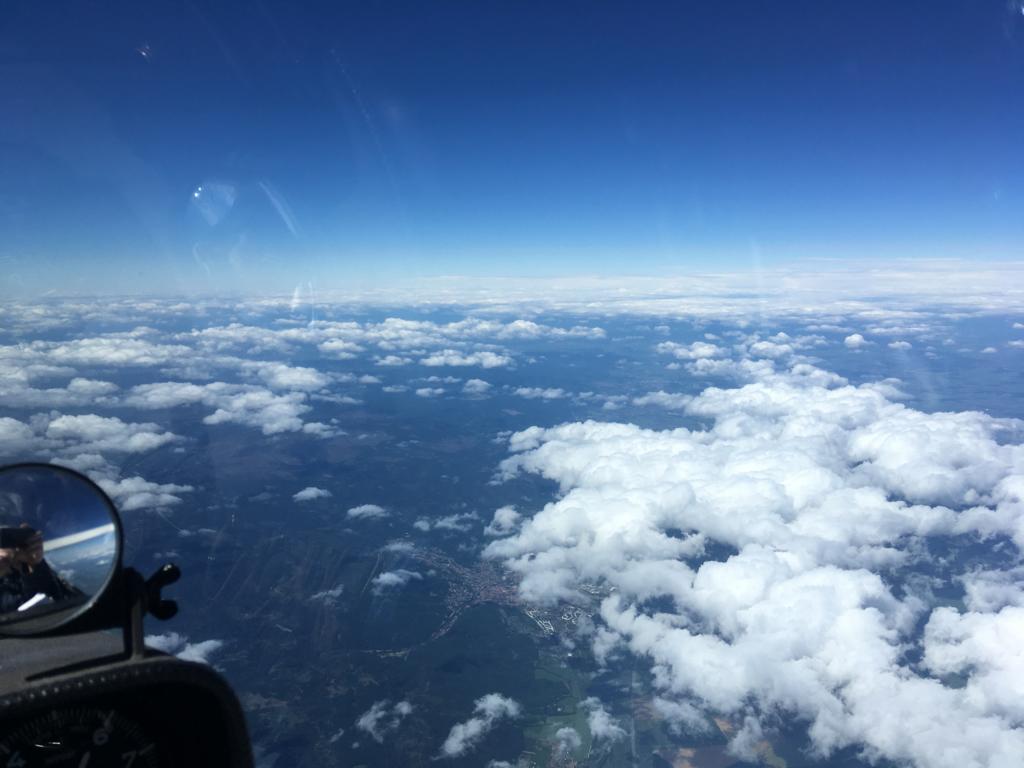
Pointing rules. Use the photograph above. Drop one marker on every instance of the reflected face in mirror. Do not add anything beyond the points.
(59, 541)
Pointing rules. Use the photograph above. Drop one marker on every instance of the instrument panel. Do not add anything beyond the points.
(154, 713)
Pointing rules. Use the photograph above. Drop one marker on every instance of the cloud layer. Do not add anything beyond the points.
(822, 498)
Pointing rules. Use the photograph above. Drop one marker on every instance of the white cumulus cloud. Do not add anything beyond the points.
(487, 712)
(459, 521)
(249, 405)
(382, 718)
(392, 361)
(453, 357)
(394, 579)
(505, 521)
(90, 432)
(366, 511)
(476, 387)
(567, 740)
(179, 645)
(824, 496)
(328, 596)
(311, 493)
(540, 393)
(672, 401)
(698, 350)
(601, 724)
(133, 493)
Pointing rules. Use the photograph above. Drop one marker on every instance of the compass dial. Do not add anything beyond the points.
(79, 738)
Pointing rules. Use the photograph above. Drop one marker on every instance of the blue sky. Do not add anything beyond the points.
(250, 146)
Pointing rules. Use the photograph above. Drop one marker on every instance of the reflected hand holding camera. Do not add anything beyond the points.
(21, 546)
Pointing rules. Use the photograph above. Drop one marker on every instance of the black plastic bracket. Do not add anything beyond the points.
(156, 606)
(145, 596)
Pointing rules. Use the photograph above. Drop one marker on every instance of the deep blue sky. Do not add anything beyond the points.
(338, 140)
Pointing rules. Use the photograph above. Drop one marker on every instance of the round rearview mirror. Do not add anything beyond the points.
(60, 547)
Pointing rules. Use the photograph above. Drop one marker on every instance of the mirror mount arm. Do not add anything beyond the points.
(145, 596)
(134, 607)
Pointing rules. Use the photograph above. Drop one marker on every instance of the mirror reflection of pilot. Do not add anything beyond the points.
(24, 574)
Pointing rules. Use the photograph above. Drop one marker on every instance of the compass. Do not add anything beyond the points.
(79, 738)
